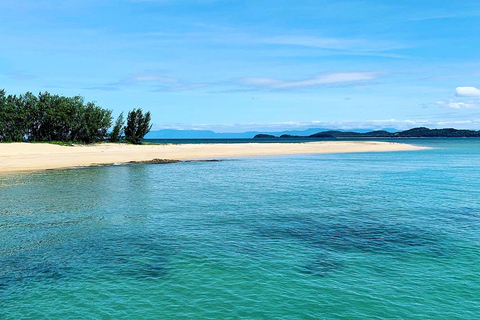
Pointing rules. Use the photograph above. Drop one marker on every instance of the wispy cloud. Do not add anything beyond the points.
(362, 45)
(380, 124)
(161, 83)
(147, 77)
(469, 12)
(182, 87)
(316, 81)
(20, 75)
(295, 41)
(452, 104)
(103, 88)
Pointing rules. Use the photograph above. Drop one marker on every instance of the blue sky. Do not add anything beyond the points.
(239, 65)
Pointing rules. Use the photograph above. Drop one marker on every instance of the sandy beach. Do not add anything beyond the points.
(22, 157)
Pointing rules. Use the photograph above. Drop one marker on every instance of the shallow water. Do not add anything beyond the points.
(357, 236)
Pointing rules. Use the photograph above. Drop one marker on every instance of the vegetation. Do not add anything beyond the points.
(118, 129)
(48, 117)
(138, 125)
(420, 132)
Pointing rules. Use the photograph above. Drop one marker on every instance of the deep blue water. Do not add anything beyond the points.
(353, 236)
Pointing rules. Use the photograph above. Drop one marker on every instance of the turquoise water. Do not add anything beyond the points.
(348, 236)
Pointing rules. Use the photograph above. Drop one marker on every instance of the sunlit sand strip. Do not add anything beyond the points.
(18, 157)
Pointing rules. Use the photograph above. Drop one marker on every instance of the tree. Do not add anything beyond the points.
(118, 129)
(138, 125)
(12, 118)
(50, 117)
(57, 118)
(29, 103)
(96, 122)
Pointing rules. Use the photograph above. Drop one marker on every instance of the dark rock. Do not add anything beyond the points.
(156, 161)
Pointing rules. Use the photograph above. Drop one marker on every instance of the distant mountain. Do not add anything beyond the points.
(181, 134)
(197, 134)
(208, 134)
(420, 132)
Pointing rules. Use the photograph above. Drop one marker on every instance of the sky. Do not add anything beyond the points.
(233, 66)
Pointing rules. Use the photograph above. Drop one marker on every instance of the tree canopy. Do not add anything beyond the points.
(138, 125)
(50, 117)
(118, 129)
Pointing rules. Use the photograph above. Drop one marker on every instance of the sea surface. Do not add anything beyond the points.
(392, 235)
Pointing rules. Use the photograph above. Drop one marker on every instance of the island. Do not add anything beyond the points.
(420, 132)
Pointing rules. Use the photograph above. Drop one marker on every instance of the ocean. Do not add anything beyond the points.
(388, 235)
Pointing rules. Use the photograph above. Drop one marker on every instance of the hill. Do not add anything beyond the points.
(420, 132)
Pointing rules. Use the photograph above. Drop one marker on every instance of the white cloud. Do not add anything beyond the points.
(465, 98)
(452, 104)
(323, 79)
(467, 92)
(461, 105)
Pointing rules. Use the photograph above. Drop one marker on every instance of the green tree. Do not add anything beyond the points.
(118, 129)
(51, 117)
(95, 123)
(4, 114)
(138, 125)
(29, 103)
(59, 118)
(12, 118)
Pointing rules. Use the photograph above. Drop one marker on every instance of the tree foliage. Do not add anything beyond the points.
(138, 125)
(51, 118)
(118, 129)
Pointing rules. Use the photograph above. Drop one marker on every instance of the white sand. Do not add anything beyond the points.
(17, 157)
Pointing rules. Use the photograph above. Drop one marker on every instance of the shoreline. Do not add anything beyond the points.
(28, 157)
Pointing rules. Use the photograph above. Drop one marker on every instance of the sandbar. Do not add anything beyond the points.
(24, 157)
